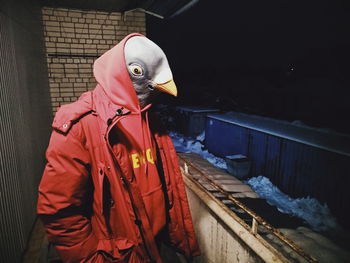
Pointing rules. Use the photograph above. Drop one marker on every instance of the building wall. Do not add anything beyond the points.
(74, 39)
(24, 122)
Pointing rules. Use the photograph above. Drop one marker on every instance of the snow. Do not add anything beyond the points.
(236, 156)
(315, 214)
(318, 216)
(187, 145)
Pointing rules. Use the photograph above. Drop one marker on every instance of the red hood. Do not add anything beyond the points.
(111, 74)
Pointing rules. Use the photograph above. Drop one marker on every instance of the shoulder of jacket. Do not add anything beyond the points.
(69, 114)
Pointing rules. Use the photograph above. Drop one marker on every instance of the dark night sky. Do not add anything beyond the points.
(283, 59)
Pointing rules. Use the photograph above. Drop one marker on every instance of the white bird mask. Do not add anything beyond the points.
(148, 68)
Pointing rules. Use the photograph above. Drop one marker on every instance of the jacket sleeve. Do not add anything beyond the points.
(64, 193)
(181, 210)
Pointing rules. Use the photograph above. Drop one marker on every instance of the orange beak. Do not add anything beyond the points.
(168, 87)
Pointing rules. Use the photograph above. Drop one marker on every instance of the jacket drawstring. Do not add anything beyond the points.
(144, 163)
(145, 111)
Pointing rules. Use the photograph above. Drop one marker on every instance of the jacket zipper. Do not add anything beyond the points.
(111, 123)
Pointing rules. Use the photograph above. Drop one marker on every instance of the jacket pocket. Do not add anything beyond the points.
(114, 250)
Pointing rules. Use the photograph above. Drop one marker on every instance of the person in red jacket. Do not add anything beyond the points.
(112, 189)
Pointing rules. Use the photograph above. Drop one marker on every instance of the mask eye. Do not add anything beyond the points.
(136, 70)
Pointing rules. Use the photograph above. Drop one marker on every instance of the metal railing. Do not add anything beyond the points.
(189, 169)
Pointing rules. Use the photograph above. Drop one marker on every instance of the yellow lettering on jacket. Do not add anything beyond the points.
(135, 160)
(140, 158)
(149, 156)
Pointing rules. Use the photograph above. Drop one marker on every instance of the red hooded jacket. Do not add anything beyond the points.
(112, 183)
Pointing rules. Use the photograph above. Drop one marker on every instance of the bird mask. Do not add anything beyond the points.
(148, 68)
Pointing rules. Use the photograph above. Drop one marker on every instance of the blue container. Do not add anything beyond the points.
(222, 139)
(300, 160)
(191, 121)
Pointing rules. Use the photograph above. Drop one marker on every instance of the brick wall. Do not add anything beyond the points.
(74, 39)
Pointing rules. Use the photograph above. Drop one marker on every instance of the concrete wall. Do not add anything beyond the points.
(74, 39)
(217, 242)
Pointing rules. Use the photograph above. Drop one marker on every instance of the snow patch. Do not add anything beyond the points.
(318, 216)
(188, 145)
